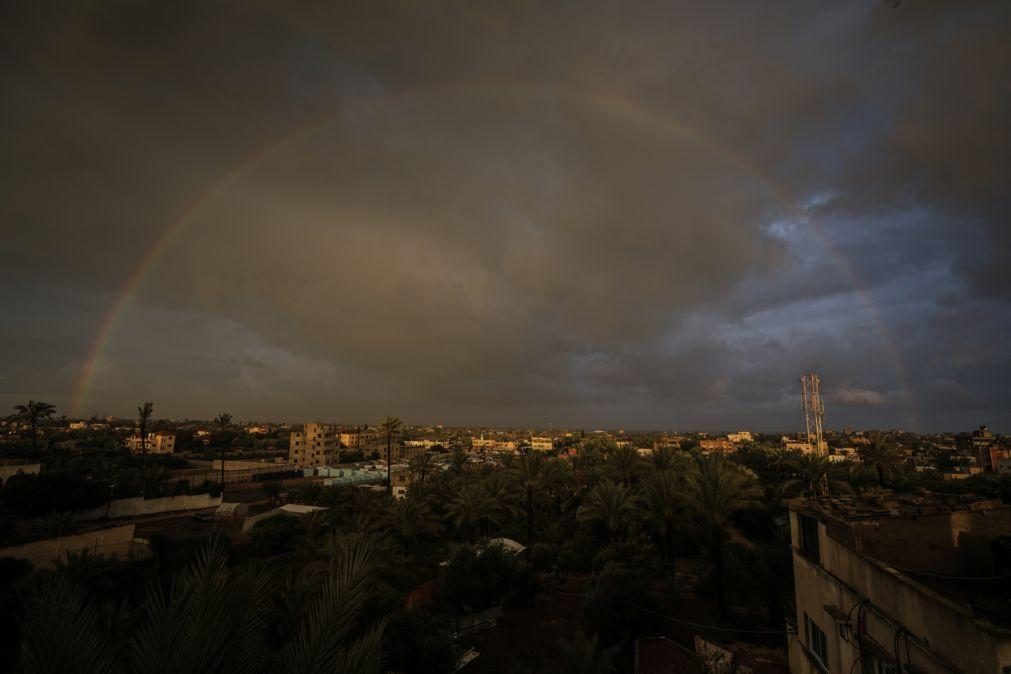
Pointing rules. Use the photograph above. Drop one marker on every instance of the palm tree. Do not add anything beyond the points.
(330, 634)
(587, 464)
(882, 454)
(608, 503)
(458, 460)
(421, 466)
(390, 426)
(472, 508)
(223, 421)
(211, 619)
(662, 496)
(626, 462)
(527, 472)
(144, 413)
(585, 656)
(413, 519)
(503, 493)
(813, 470)
(557, 479)
(716, 489)
(663, 458)
(32, 413)
(64, 631)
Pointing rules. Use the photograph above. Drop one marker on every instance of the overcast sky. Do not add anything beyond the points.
(591, 214)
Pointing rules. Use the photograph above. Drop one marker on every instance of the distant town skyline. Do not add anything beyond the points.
(652, 216)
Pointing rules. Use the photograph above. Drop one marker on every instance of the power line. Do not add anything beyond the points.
(702, 626)
(685, 622)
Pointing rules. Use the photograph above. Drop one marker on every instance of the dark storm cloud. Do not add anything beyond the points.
(654, 214)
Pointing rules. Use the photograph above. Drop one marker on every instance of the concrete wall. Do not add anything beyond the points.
(133, 507)
(237, 472)
(114, 542)
(938, 625)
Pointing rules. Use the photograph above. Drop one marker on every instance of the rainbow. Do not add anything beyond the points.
(622, 108)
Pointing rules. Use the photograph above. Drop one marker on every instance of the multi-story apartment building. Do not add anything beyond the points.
(740, 437)
(483, 444)
(542, 443)
(316, 445)
(889, 584)
(791, 445)
(159, 442)
(365, 440)
(716, 445)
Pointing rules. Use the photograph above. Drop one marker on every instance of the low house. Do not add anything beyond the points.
(231, 511)
(291, 510)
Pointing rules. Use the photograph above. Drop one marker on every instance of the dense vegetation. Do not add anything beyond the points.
(373, 583)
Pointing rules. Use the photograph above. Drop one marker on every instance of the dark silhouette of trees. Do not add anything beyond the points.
(32, 413)
(391, 426)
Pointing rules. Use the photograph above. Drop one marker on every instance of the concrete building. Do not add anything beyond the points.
(366, 441)
(541, 443)
(740, 437)
(716, 445)
(801, 446)
(483, 444)
(912, 584)
(982, 441)
(316, 445)
(160, 442)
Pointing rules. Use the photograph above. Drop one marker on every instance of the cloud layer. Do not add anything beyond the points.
(520, 213)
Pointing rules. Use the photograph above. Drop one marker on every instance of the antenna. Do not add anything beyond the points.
(814, 411)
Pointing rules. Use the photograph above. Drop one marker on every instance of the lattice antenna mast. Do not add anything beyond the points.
(814, 411)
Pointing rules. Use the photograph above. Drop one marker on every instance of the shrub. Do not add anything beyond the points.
(276, 534)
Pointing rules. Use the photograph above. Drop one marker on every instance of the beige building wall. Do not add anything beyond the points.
(316, 445)
(542, 444)
(943, 636)
(157, 443)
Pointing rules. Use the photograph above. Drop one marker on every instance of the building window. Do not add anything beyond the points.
(817, 642)
(809, 536)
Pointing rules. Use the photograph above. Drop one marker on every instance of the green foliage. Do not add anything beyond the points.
(476, 579)
(581, 655)
(48, 492)
(472, 510)
(882, 454)
(610, 505)
(414, 643)
(611, 608)
(211, 619)
(33, 413)
(276, 534)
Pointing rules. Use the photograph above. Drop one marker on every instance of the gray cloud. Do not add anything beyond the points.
(657, 215)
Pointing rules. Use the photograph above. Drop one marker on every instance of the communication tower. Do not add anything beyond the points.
(814, 411)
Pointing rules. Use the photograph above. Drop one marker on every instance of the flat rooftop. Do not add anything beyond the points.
(887, 504)
(946, 543)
